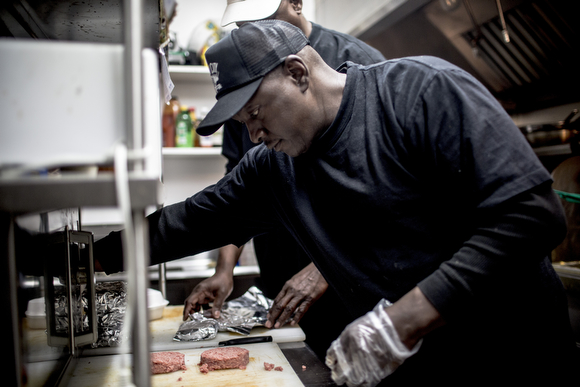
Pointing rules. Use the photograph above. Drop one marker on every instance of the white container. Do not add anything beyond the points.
(35, 314)
(155, 304)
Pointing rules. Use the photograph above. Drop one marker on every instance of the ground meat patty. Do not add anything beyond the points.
(165, 362)
(224, 358)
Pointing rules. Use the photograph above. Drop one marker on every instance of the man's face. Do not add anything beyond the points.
(278, 115)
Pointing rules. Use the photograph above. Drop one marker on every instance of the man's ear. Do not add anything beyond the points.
(295, 67)
(297, 6)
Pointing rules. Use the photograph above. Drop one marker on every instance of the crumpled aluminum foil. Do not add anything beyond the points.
(197, 328)
(81, 320)
(239, 315)
(111, 305)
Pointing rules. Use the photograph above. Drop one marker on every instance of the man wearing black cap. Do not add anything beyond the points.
(286, 272)
(406, 183)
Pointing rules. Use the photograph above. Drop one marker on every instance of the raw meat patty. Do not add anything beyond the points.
(165, 362)
(271, 366)
(224, 358)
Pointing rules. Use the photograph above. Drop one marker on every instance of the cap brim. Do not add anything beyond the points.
(226, 107)
(249, 10)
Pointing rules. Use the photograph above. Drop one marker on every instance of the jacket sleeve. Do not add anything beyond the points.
(521, 231)
(505, 217)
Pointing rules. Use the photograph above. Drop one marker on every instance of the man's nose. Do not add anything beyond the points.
(256, 133)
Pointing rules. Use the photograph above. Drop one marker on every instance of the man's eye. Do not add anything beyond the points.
(254, 114)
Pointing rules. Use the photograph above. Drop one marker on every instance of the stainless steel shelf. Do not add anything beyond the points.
(189, 73)
(191, 152)
(39, 194)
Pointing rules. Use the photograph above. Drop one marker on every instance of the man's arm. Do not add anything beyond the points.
(528, 225)
(414, 316)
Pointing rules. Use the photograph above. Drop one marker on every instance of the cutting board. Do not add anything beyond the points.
(163, 331)
(104, 371)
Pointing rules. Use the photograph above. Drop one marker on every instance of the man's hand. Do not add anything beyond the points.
(376, 344)
(214, 289)
(217, 287)
(297, 295)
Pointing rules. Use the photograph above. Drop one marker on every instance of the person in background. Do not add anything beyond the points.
(287, 275)
(412, 191)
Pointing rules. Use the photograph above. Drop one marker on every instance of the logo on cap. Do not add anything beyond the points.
(215, 77)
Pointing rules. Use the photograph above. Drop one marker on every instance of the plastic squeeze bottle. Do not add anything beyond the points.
(184, 129)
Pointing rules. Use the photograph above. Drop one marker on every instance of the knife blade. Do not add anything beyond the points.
(246, 340)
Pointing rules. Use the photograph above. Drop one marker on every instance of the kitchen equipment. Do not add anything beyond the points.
(72, 104)
(562, 132)
(69, 278)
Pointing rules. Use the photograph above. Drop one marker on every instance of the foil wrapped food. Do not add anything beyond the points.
(239, 315)
(110, 306)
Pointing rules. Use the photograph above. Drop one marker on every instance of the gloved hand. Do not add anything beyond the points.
(368, 350)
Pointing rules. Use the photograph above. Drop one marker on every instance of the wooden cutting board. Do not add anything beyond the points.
(163, 330)
(102, 371)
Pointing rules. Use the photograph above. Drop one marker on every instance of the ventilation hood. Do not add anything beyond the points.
(524, 51)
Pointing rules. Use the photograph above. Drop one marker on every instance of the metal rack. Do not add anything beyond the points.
(135, 154)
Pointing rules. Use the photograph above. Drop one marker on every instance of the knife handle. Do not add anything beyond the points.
(246, 340)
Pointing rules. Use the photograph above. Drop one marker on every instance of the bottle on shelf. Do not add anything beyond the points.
(170, 112)
(184, 129)
(194, 122)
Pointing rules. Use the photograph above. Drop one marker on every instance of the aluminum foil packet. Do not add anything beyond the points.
(197, 328)
(111, 304)
(239, 315)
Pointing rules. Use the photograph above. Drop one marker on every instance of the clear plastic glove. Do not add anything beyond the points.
(368, 350)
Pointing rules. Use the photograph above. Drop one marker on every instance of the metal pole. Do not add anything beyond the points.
(133, 36)
(141, 358)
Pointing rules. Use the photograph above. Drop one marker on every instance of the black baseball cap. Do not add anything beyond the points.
(238, 63)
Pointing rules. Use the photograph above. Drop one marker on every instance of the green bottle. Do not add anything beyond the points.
(183, 129)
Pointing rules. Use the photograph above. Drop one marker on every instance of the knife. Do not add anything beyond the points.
(246, 340)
